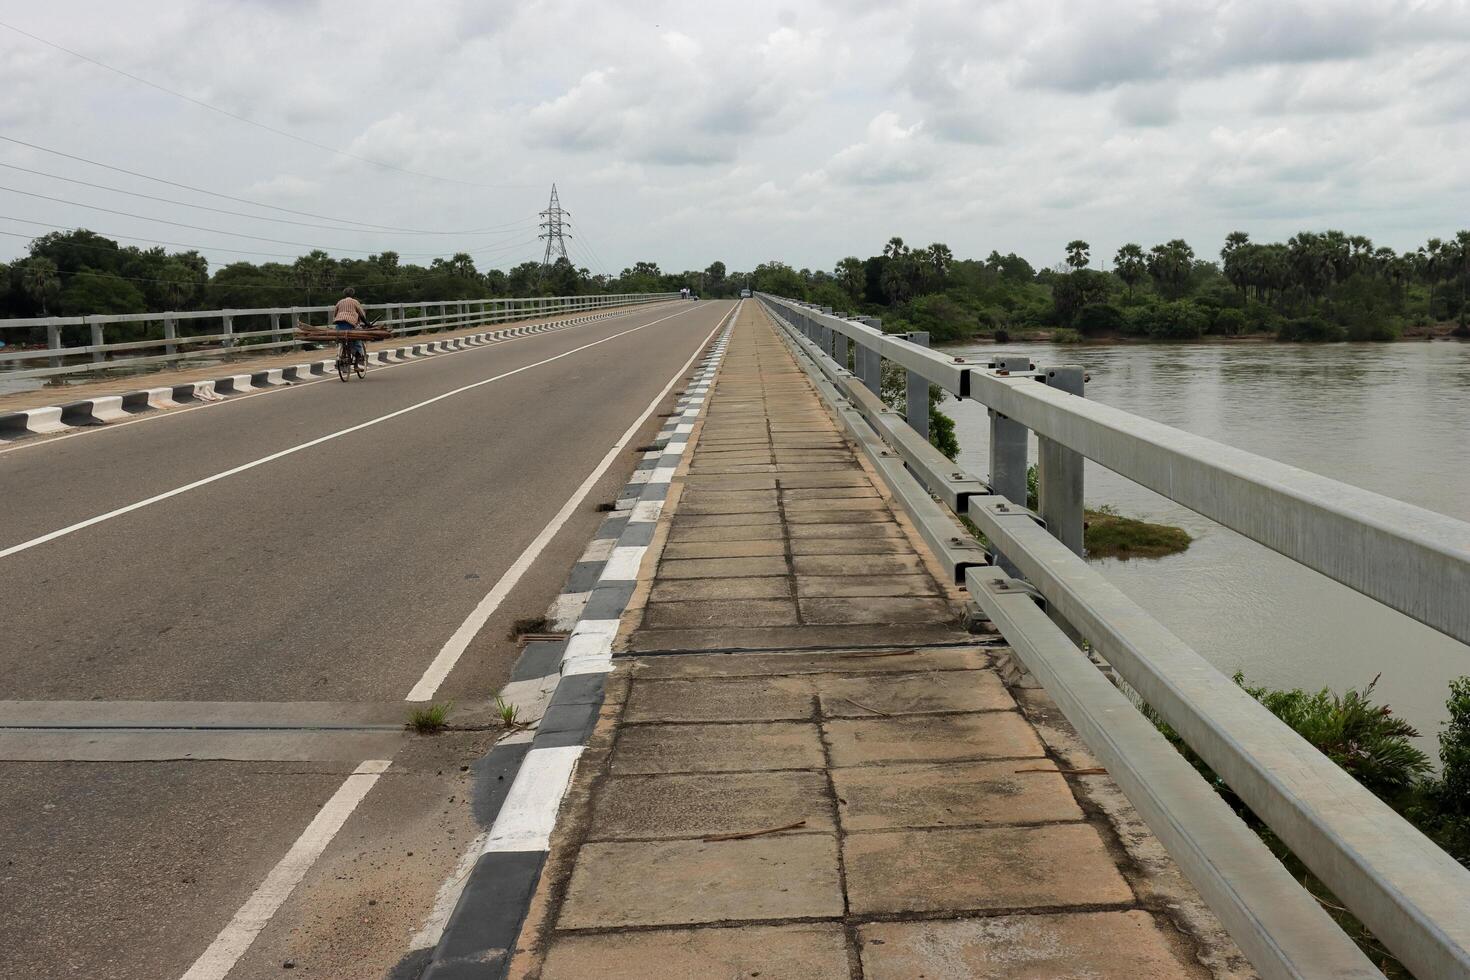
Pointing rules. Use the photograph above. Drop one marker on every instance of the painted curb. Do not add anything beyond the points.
(112, 408)
(480, 936)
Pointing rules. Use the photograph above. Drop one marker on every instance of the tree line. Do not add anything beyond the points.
(1316, 286)
(79, 272)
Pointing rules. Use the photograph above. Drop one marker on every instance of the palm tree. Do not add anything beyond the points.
(1130, 265)
(1077, 254)
(894, 248)
(851, 276)
(41, 281)
(940, 258)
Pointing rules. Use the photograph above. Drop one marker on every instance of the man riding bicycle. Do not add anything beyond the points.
(348, 314)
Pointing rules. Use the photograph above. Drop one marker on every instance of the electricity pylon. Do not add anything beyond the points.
(555, 225)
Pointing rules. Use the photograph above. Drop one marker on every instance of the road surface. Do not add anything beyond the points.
(321, 543)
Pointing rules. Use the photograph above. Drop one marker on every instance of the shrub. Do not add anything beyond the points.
(1230, 322)
(1367, 740)
(1066, 336)
(1179, 320)
(1310, 329)
(1100, 318)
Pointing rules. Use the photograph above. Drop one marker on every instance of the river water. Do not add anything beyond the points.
(1392, 418)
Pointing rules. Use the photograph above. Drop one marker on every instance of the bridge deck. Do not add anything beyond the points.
(806, 767)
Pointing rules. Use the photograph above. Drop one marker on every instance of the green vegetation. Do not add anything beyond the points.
(1108, 534)
(1375, 747)
(430, 720)
(509, 713)
(1316, 286)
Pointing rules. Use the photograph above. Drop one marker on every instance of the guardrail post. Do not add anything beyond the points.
(1059, 471)
(916, 389)
(228, 331)
(170, 332)
(53, 341)
(870, 369)
(97, 341)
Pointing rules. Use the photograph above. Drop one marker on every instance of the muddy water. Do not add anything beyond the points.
(1392, 418)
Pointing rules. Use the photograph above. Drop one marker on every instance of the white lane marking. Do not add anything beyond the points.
(234, 471)
(623, 565)
(455, 647)
(217, 961)
(377, 367)
(528, 814)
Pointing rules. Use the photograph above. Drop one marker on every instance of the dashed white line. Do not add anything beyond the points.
(217, 961)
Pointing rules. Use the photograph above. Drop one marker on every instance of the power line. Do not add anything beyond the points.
(244, 119)
(238, 214)
(229, 197)
(216, 231)
(218, 248)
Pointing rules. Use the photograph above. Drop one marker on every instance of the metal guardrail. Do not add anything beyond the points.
(276, 331)
(1412, 895)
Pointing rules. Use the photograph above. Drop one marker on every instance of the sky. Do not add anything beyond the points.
(685, 133)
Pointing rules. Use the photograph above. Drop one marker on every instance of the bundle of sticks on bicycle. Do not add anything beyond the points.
(329, 335)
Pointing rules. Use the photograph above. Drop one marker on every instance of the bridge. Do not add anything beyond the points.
(741, 676)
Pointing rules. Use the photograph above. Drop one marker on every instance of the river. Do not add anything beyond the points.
(1392, 418)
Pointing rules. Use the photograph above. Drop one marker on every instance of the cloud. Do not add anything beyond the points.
(891, 153)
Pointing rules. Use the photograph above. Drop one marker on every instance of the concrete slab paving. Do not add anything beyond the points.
(944, 870)
(1102, 945)
(710, 804)
(717, 748)
(786, 698)
(798, 952)
(689, 881)
(989, 735)
(951, 794)
(721, 613)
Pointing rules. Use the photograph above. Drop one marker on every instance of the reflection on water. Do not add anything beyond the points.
(1392, 418)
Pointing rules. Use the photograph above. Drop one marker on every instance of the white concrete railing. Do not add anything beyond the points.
(212, 333)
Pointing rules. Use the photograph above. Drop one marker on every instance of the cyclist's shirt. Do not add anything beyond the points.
(349, 310)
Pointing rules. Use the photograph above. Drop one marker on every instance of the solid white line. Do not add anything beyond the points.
(447, 657)
(235, 938)
(234, 471)
(528, 814)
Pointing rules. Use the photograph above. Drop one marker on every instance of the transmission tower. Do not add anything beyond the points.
(555, 225)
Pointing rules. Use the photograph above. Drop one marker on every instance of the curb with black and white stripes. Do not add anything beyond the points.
(114, 408)
(565, 679)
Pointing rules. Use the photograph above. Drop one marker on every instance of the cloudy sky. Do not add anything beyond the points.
(685, 133)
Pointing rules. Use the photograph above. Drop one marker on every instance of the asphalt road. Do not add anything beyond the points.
(334, 572)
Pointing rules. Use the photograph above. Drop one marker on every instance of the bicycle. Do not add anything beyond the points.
(352, 357)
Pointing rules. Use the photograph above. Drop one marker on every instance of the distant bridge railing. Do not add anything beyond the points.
(217, 334)
(1035, 586)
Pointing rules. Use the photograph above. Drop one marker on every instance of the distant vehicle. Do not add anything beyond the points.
(745, 294)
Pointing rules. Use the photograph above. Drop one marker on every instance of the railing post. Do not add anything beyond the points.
(1008, 451)
(170, 332)
(53, 341)
(276, 331)
(1059, 471)
(916, 390)
(870, 369)
(97, 340)
(228, 331)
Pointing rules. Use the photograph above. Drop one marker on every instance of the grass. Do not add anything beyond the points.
(1108, 534)
(430, 720)
(509, 713)
(535, 624)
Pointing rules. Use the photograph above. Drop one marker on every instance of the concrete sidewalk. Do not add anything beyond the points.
(806, 766)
